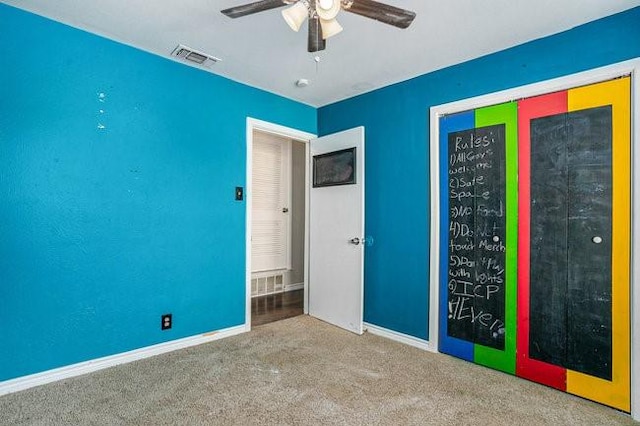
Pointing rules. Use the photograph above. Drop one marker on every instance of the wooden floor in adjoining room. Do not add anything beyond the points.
(275, 307)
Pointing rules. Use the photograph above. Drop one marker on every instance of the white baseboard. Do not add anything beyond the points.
(292, 287)
(32, 380)
(400, 337)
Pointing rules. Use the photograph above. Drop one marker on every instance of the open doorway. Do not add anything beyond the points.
(277, 225)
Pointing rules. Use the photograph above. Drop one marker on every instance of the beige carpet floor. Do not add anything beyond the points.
(300, 371)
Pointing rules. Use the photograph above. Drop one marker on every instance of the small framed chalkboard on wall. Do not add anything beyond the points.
(335, 168)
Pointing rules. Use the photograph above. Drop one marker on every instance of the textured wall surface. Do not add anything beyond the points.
(397, 156)
(117, 176)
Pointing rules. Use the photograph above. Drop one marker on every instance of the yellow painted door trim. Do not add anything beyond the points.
(617, 392)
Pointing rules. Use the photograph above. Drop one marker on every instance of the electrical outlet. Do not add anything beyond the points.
(167, 322)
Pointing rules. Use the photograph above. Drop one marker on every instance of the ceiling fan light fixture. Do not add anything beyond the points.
(295, 15)
(321, 15)
(327, 9)
(330, 28)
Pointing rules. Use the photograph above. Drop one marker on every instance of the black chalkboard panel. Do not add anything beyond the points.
(589, 324)
(476, 296)
(570, 287)
(548, 240)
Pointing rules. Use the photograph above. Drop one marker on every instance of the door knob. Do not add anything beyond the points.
(596, 239)
(366, 241)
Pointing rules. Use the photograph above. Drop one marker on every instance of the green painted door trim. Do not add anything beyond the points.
(507, 114)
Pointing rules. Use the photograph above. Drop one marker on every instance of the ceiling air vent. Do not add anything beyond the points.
(188, 54)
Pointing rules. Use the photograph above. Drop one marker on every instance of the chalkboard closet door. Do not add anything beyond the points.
(573, 327)
(527, 366)
(478, 236)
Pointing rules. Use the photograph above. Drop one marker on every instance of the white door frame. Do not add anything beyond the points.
(290, 133)
(631, 67)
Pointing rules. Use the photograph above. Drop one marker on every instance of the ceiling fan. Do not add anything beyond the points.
(322, 15)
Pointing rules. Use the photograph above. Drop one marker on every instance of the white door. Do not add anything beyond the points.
(271, 186)
(336, 229)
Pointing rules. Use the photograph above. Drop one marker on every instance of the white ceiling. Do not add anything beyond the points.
(262, 51)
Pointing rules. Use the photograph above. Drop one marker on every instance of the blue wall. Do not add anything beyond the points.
(397, 154)
(102, 230)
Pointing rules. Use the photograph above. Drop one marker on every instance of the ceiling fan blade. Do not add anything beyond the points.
(315, 40)
(255, 7)
(380, 12)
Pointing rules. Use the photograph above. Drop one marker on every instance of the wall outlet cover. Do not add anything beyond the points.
(166, 322)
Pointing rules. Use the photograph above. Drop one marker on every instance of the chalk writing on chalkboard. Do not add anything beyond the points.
(476, 252)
